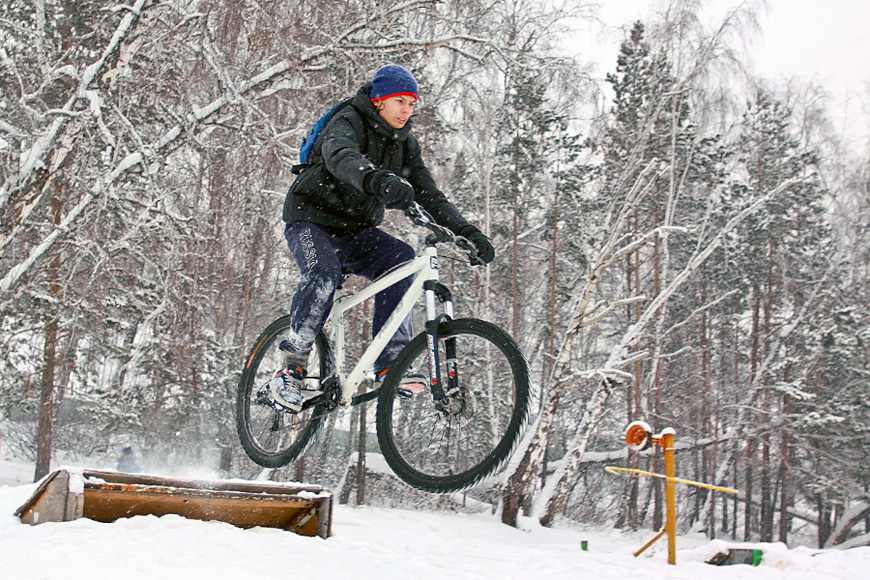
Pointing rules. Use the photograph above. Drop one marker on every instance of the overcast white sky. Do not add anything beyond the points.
(823, 41)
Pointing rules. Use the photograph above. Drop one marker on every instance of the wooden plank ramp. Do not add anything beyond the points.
(105, 496)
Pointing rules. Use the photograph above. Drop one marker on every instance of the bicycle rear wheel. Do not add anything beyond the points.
(443, 446)
(270, 436)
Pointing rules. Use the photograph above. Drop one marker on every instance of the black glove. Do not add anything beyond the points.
(394, 191)
(485, 251)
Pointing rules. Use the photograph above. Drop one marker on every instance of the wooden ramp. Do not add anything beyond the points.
(105, 496)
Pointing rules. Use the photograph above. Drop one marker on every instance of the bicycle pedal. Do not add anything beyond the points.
(265, 399)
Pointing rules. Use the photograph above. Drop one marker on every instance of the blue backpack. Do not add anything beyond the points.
(310, 139)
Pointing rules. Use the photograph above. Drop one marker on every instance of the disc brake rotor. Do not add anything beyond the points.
(457, 408)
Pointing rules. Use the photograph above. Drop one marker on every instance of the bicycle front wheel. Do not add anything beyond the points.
(271, 436)
(453, 443)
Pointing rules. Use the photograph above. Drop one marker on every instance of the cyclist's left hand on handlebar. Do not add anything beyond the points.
(485, 250)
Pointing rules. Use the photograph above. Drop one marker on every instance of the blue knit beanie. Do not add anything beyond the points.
(393, 80)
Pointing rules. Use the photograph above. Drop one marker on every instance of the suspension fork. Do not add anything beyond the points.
(435, 290)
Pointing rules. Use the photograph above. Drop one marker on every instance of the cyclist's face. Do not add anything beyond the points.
(396, 110)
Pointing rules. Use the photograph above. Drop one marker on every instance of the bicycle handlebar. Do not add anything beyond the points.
(439, 234)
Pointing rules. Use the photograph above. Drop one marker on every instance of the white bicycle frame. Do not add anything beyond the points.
(423, 268)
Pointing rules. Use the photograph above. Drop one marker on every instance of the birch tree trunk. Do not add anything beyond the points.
(530, 465)
(49, 371)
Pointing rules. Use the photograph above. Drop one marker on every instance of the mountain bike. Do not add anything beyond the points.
(452, 435)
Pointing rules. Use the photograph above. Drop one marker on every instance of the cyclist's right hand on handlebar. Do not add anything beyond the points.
(485, 250)
(395, 191)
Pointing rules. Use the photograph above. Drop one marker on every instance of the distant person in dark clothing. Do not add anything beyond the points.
(127, 462)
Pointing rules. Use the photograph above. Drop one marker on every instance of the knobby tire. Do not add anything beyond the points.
(273, 438)
(440, 451)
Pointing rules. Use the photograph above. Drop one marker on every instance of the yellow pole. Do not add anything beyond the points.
(670, 495)
(618, 470)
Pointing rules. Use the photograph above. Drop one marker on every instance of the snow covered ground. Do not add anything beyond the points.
(370, 543)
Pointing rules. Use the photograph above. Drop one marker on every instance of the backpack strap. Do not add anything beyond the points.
(309, 143)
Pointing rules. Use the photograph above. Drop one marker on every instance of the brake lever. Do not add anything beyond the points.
(421, 217)
(439, 233)
(470, 249)
(418, 216)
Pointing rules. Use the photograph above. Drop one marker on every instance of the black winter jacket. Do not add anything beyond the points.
(356, 142)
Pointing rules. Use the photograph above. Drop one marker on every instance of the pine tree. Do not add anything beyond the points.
(782, 251)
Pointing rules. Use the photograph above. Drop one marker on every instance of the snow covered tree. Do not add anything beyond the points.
(781, 263)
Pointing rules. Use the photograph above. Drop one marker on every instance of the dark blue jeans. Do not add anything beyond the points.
(322, 257)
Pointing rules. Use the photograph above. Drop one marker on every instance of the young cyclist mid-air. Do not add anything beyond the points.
(364, 161)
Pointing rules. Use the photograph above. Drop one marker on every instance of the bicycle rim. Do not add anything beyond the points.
(271, 437)
(443, 450)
